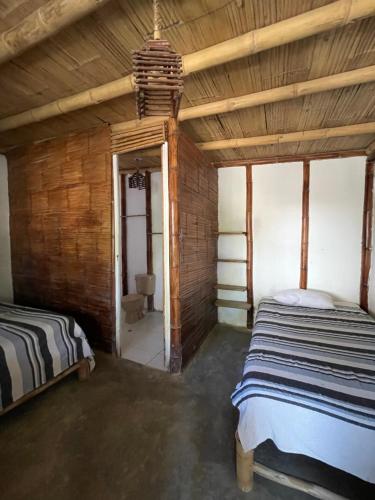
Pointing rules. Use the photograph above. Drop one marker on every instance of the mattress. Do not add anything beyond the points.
(35, 347)
(309, 385)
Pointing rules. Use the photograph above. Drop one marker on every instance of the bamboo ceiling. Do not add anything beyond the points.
(97, 49)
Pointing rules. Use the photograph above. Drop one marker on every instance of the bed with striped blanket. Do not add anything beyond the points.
(35, 347)
(309, 385)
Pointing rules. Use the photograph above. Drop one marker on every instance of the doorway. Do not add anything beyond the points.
(142, 252)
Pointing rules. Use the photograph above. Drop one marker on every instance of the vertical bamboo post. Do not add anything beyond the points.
(244, 467)
(305, 225)
(367, 234)
(249, 242)
(150, 298)
(174, 247)
(124, 255)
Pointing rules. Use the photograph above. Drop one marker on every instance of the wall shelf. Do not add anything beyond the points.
(233, 304)
(241, 261)
(232, 233)
(236, 288)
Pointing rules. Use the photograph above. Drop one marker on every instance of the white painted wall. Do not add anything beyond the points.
(232, 217)
(277, 221)
(6, 287)
(336, 208)
(136, 236)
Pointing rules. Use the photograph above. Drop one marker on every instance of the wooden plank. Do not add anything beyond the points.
(150, 270)
(367, 234)
(249, 241)
(237, 288)
(124, 255)
(233, 304)
(305, 225)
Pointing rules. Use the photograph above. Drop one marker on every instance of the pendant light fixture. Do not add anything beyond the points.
(158, 76)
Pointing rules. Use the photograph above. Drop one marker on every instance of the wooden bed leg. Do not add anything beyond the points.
(83, 370)
(244, 466)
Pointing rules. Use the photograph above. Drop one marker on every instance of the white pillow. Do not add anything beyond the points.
(305, 298)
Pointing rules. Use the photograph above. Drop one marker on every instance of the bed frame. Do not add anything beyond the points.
(246, 467)
(83, 369)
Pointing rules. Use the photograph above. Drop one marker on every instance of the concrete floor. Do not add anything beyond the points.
(137, 433)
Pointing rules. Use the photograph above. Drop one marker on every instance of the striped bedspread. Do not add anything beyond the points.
(35, 346)
(309, 385)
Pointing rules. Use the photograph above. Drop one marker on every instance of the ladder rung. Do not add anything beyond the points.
(233, 304)
(232, 260)
(232, 232)
(236, 288)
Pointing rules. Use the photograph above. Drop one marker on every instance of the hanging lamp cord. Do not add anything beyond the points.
(156, 20)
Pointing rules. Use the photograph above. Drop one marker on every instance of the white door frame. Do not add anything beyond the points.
(118, 252)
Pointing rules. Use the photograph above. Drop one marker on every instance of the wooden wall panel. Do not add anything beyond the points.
(60, 195)
(197, 200)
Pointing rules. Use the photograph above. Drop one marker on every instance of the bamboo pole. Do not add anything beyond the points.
(331, 16)
(293, 91)
(297, 484)
(249, 243)
(265, 160)
(174, 247)
(307, 135)
(150, 270)
(305, 224)
(43, 23)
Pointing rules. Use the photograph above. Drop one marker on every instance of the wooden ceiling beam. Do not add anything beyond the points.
(265, 160)
(43, 23)
(293, 91)
(307, 135)
(370, 151)
(331, 16)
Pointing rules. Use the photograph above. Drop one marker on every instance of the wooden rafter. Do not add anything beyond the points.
(293, 91)
(332, 16)
(307, 135)
(265, 160)
(43, 23)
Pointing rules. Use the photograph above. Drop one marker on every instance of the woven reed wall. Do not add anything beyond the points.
(198, 196)
(61, 229)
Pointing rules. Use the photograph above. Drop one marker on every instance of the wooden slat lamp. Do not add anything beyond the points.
(158, 76)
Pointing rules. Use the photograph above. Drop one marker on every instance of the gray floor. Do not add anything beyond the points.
(137, 433)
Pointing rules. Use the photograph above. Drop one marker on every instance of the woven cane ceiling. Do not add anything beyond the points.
(97, 49)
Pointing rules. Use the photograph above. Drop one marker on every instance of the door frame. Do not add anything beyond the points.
(117, 235)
